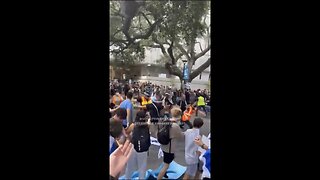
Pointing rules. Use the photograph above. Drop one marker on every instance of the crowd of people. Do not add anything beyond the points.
(162, 112)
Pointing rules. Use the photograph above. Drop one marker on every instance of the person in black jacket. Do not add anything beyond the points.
(141, 142)
(167, 104)
(126, 89)
(182, 103)
(154, 111)
(187, 94)
(174, 97)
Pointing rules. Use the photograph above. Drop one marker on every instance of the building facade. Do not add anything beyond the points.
(157, 74)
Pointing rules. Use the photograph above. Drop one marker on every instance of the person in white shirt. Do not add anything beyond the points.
(191, 154)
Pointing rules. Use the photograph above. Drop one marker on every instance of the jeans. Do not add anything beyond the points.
(137, 161)
(203, 108)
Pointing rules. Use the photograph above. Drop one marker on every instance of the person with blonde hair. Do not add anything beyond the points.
(173, 136)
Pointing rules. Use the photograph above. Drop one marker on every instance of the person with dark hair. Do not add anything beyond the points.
(127, 104)
(114, 134)
(112, 91)
(120, 114)
(191, 156)
(154, 109)
(119, 88)
(141, 142)
(167, 105)
(187, 94)
(174, 97)
(182, 103)
(126, 89)
(192, 97)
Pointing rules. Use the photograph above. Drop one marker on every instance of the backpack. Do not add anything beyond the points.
(164, 133)
(141, 139)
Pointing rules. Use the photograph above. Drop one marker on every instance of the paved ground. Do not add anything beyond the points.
(154, 162)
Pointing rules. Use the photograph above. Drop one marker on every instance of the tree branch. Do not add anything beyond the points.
(170, 52)
(174, 70)
(145, 16)
(192, 49)
(150, 31)
(179, 56)
(183, 50)
(199, 45)
(155, 46)
(164, 52)
(119, 30)
(203, 52)
(200, 69)
(143, 36)
(115, 40)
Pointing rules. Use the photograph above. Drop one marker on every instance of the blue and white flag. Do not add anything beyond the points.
(206, 159)
(154, 141)
(112, 145)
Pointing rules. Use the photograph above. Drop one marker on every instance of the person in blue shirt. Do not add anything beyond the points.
(127, 104)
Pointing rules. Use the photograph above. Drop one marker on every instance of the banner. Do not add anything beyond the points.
(186, 72)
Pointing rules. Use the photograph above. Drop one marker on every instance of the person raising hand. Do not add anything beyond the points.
(119, 158)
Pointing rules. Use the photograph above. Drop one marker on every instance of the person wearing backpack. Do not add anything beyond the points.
(141, 143)
(168, 136)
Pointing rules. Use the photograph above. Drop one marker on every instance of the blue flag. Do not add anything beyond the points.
(186, 72)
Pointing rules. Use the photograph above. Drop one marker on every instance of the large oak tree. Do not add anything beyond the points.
(174, 27)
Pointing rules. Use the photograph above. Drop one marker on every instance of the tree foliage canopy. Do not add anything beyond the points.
(134, 27)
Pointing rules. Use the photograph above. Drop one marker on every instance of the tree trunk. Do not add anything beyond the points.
(182, 84)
